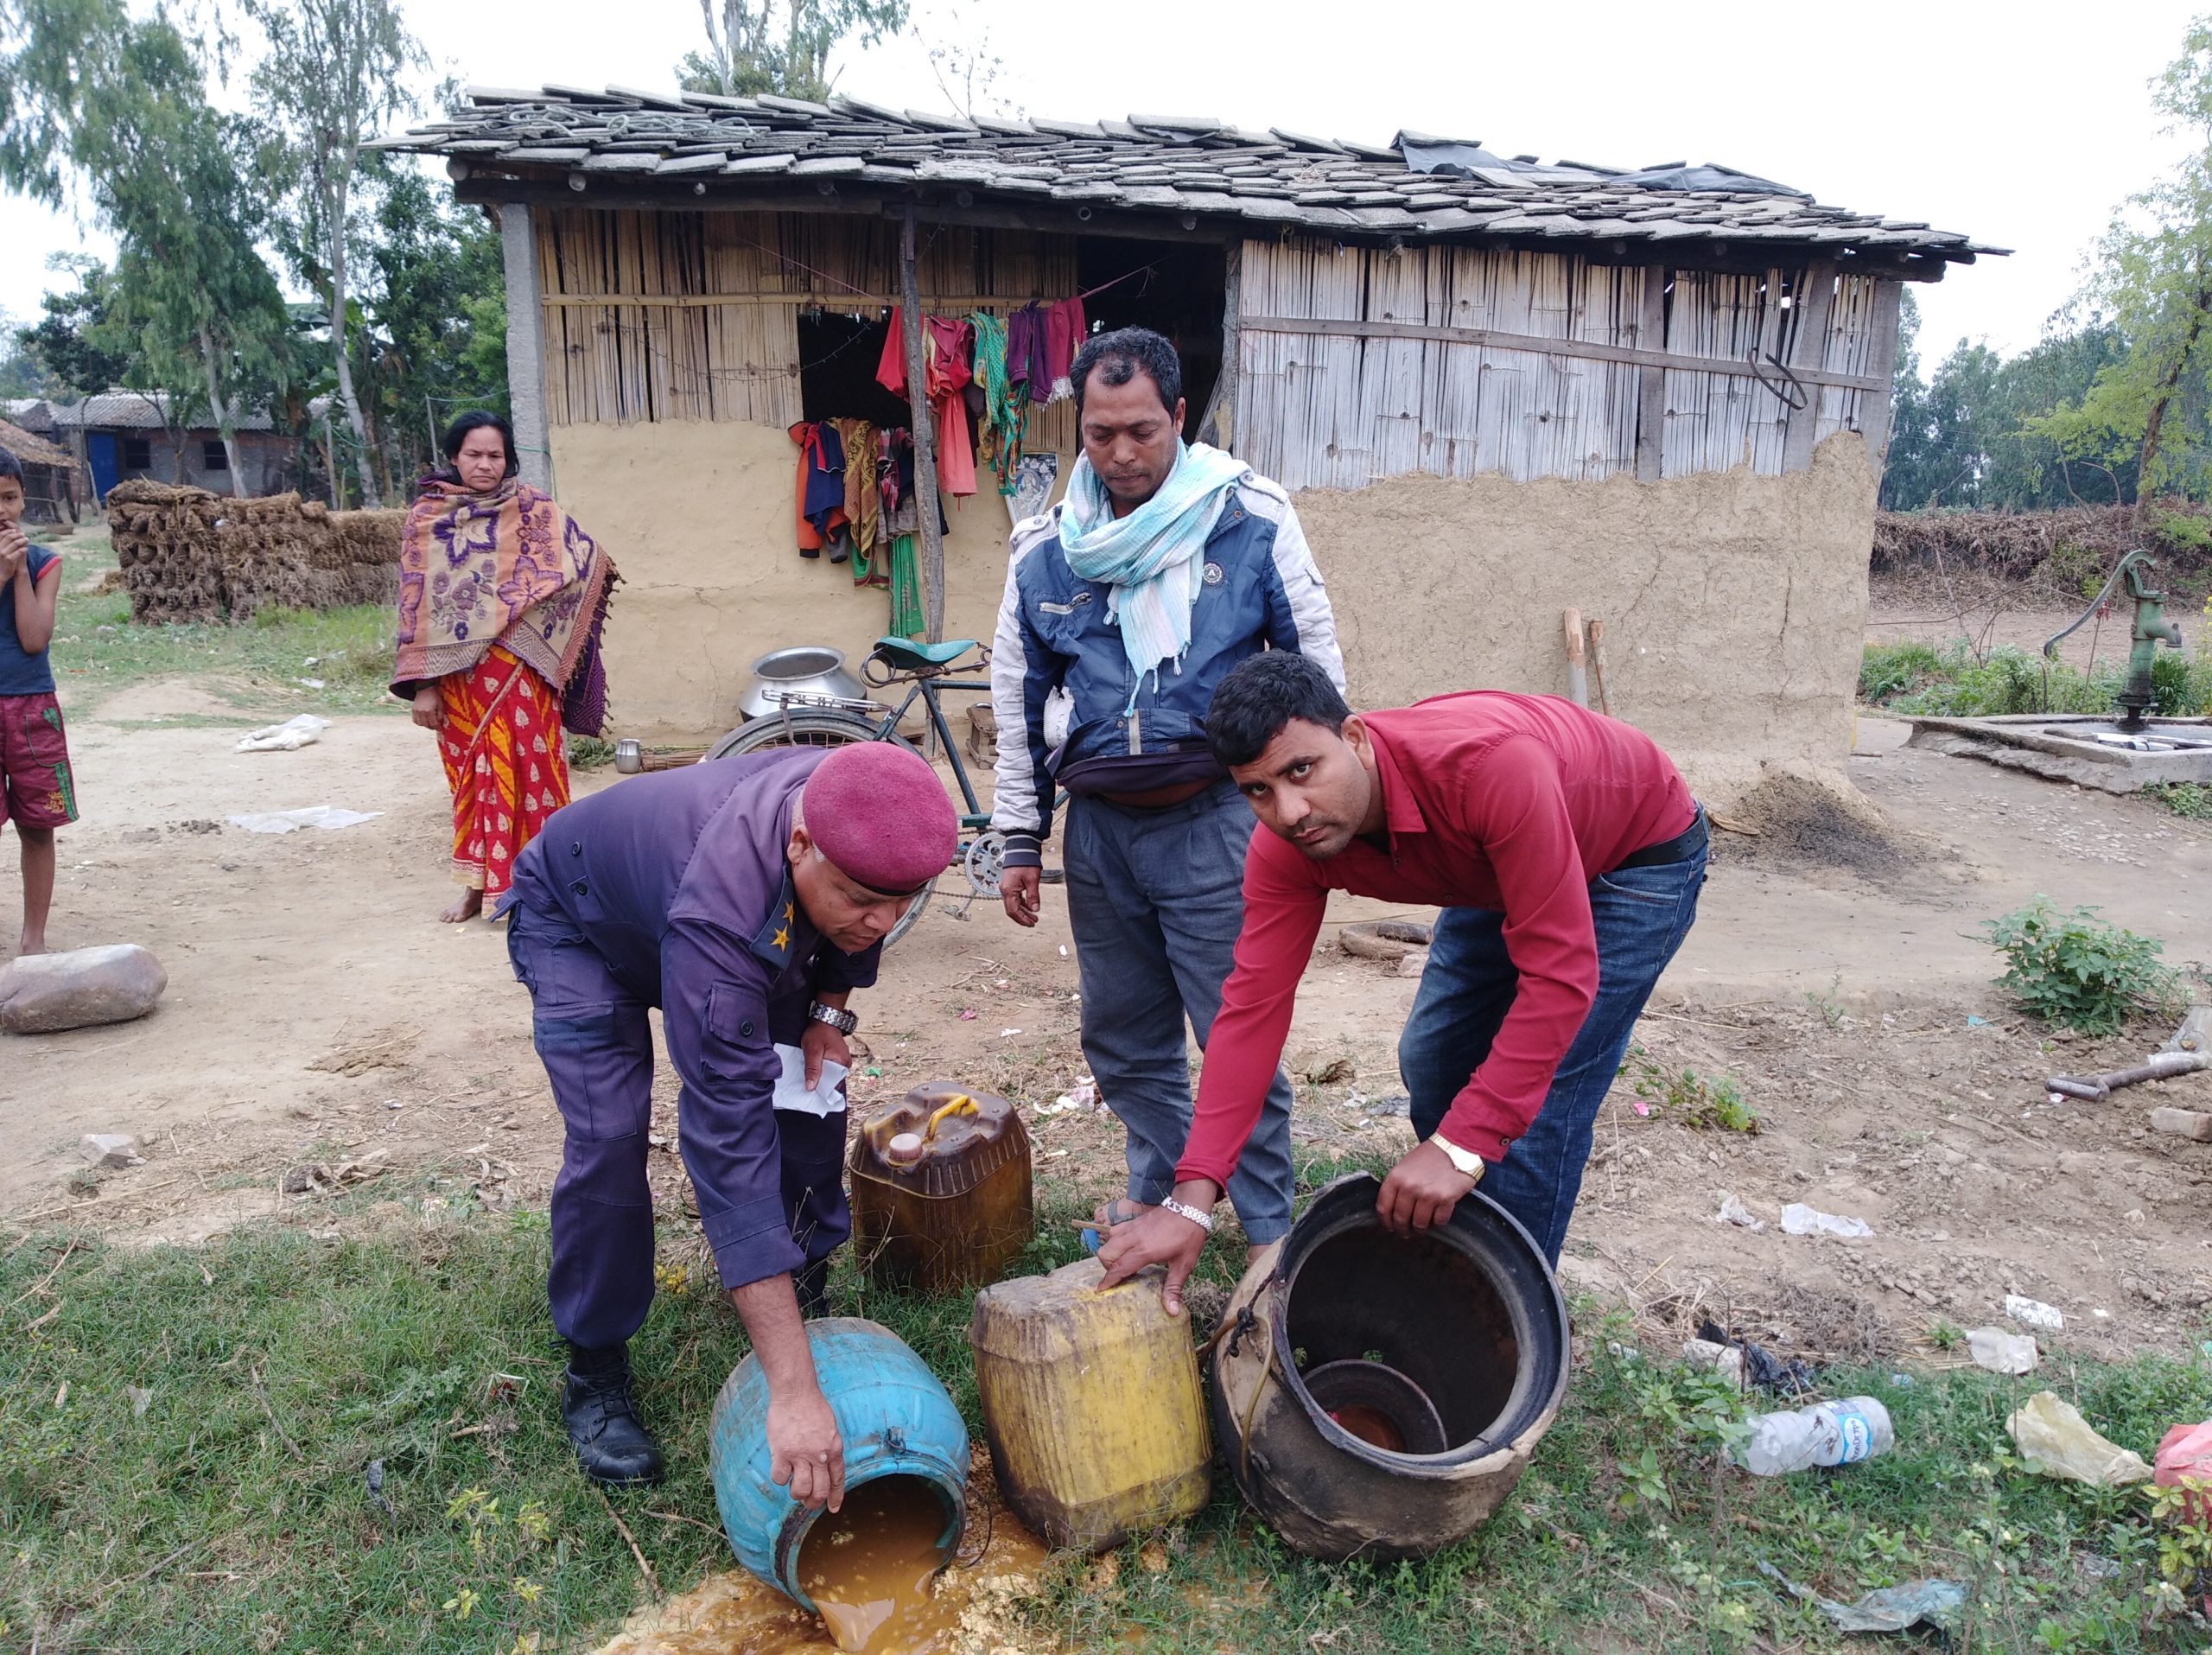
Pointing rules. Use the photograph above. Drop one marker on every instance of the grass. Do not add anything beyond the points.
(1691, 1098)
(1918, 678)
(258, 666)
(232, 1512)
(2192, 799)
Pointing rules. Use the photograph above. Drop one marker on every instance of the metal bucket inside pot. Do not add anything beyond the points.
(1378, 1394)
(1377, 1404)
(804, 670)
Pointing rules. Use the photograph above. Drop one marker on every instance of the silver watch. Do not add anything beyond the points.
(1184, 1210)
(843, 1021)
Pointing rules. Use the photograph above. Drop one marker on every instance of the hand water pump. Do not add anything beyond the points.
(2135, 698)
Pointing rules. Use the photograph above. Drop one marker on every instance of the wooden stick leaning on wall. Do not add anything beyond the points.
(1578, 680)
(909, 299)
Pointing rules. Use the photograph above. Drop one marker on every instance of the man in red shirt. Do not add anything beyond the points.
(1567, 854)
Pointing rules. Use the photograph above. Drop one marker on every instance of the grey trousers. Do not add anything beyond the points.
(1155, 901)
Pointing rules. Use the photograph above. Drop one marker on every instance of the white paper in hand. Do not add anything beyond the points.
(828, 1098)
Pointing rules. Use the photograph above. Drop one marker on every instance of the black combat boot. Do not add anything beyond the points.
(611, 1446)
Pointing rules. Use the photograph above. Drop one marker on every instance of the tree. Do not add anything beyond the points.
(971, 76)
(88, 92)
(2154, 276)
(436, 336)
(1972, 436)
(782, 46)
(78, 346)
(334, 74)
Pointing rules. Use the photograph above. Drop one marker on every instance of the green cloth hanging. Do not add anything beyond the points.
(907, 620)
(1005, 411)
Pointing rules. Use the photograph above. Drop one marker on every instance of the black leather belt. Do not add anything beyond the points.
(1680, 848)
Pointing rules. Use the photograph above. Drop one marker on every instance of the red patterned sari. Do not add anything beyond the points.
(505, 761)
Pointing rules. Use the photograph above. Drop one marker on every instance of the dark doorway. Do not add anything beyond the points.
(1175, 288)
(838, 355)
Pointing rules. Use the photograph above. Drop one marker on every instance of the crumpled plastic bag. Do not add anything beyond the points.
(2184, 1456)
(2034, 1312)
(292, 734)
(1894, 1608)
(2054, 1438)
(2001, 1351)
(313, 816)
(1799, 1219)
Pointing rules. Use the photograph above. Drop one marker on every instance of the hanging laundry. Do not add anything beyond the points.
(1064, 331)
(821, 487)
(864, 499)
(907, 617)
(1027, 362)
(945, 358)
(1005, 413)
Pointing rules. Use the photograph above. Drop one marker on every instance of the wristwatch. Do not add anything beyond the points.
(843, 1021)
(1466, 1160)
(1184, 1210)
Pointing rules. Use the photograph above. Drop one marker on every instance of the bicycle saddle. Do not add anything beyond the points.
(907, 656)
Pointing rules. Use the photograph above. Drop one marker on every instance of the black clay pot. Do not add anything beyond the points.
(1462, 1326)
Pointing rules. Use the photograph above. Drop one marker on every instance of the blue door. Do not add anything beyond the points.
(100, 454)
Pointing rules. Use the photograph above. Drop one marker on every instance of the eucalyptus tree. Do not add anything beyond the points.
(335, 73)
(96, 99)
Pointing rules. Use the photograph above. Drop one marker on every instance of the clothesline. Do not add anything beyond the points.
(835, 281)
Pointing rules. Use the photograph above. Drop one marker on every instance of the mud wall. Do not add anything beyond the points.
(698, 516)
(1734, 604)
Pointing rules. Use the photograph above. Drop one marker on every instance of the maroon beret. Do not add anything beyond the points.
(878, 812)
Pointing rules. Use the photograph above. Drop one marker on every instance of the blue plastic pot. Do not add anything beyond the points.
(896, 1420)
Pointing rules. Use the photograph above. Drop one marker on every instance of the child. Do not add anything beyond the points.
(36, 792)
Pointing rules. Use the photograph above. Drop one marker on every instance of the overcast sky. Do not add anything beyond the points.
(2021, 125)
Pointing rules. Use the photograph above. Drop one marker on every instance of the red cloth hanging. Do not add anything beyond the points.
(944, 354)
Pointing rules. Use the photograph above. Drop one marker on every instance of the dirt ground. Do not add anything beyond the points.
(317, 1016)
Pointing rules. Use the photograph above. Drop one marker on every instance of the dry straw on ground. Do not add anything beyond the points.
(188, 554)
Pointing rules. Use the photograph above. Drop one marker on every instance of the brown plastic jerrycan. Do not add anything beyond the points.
(941, 1192)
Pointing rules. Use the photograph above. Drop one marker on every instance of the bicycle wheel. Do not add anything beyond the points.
(797, 727)
(816, 727)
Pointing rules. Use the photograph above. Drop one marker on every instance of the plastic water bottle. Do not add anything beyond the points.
(1832, 1433)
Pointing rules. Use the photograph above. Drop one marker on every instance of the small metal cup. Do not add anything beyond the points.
(629, 757)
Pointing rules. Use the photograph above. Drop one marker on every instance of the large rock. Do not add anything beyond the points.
(42, 994)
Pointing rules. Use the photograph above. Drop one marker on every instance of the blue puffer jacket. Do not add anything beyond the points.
(1260, 591)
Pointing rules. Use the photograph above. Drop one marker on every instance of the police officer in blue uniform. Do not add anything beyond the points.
(746, 898)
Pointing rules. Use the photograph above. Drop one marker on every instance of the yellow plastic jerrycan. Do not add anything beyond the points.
(1092, 1403)
(942, 1194)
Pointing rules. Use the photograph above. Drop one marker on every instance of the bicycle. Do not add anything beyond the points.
(805, 719)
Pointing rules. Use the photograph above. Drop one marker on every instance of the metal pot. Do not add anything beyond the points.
(803, 670)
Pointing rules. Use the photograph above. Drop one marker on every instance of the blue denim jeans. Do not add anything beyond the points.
(1641, 915)
(1155, 899)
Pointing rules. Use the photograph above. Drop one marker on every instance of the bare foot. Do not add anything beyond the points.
(33, 942)
(464, 907)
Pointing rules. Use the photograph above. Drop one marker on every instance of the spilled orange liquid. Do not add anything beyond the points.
(869, 1566)
(976, 1603)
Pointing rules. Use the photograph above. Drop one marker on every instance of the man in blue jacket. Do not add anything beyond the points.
(746, 899)
(1165, 566)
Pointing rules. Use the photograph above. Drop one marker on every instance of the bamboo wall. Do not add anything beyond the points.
(1332, 410)
(659, 316)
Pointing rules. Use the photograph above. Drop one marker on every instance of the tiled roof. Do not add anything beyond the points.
(138, 410)
(1417, 187)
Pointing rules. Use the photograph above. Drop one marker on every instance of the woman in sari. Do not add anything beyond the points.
(501, 599)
